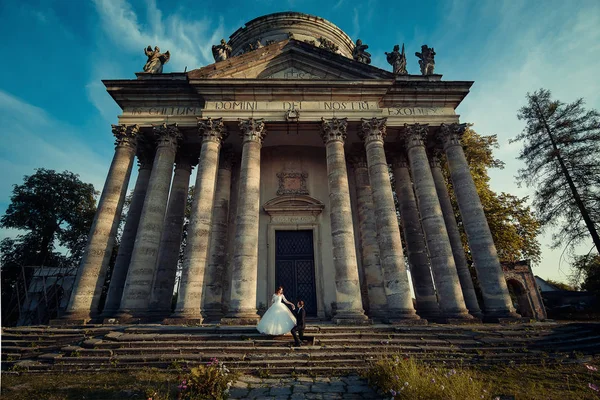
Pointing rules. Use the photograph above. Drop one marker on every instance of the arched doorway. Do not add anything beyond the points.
(519, 297)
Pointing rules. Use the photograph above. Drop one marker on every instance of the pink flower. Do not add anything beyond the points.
(393, 392)
(594, 387)
(591, 367)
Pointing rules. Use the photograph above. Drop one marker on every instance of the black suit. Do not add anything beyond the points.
(298, 330)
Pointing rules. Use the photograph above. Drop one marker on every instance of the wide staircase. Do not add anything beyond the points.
(330, 349)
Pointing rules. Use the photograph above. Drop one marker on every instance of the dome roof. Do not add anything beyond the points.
(284, 25)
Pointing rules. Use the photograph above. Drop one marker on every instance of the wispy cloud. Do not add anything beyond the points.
(51, 144)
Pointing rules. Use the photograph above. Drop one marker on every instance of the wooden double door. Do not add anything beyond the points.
(295, 267)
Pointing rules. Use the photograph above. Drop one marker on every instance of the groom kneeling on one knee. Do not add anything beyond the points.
(298, 330)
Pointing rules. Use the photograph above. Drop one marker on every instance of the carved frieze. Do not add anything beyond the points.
(292, 183)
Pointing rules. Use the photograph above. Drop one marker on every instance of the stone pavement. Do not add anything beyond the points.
(303, 387)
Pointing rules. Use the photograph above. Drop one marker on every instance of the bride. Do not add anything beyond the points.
(278, 319)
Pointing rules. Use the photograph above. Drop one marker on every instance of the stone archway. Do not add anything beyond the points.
(520, 299)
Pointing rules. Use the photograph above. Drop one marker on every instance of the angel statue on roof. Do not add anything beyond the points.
(222, 51)
(156, 60)
(360, 53)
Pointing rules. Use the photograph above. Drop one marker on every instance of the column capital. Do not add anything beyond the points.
(145, 152)
(186, 159)
(252, 130)
(167, 134)
(226, 158)
(398, 159)
(450, 134)
(414, 135)
(125, 135)
(212, 129)
(372, 129)
(333, 129)
(434, 155)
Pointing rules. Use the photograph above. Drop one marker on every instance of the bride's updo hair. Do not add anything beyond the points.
(280, 288)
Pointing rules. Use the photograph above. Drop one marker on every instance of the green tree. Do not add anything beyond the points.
(560, 285)
(561, 143)
(586, 272)
(50, 209)
(512, 223)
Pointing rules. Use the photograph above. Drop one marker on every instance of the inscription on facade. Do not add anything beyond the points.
(163, 110)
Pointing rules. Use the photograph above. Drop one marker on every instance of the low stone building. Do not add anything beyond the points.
(293, 134)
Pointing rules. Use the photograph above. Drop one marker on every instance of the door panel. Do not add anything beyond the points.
(295, 267)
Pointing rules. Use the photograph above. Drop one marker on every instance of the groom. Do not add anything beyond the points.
(298, 330)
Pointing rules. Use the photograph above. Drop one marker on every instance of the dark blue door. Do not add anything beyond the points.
(295, 267)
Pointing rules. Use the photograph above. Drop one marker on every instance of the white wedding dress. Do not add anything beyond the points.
(278, 319)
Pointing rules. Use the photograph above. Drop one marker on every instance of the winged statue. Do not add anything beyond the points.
(156, 60)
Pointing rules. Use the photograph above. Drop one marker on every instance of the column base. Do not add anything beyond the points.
(74, 318)
(405, 321)
(351, 318)
(212, 315)
(183, 320)
(403, 316)
(505, 317)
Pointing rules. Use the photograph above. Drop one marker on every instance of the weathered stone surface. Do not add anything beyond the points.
(242, 303)
(87, 289)
(136, 293)
(119, 274)
(418, 259)
(397, 288)
(450, 296)
(466, 282)
(168, 255)
(368, 236)
(497, 303)
(195, 255)
(348, 300)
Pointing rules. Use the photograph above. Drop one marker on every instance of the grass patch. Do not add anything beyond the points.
(405, 378)
(203, 382)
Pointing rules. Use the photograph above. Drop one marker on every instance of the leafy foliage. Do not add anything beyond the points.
(561, 143)
(406, 378)
(560, 285)
(51, 209)
(512, 223)
(211, 381)
(587, 273)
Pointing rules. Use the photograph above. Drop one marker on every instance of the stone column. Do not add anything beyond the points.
(170, 242)
(348, 298)
(136, 294)
(418, 260)
(145, 153)
(496, 299)
(466, 282)
(216, 269)
(368, 237)
(195, 255)
(450, 298)
(244, 265)
(85, 297)
(400, 305)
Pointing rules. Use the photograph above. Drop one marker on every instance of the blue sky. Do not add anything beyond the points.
(56, 114)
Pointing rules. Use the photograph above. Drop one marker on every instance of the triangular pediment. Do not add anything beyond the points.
(290, 59)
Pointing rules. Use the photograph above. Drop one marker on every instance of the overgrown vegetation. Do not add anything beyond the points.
(405, 378)
(211, 381)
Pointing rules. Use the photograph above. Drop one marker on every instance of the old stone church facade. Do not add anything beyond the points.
(293, 135)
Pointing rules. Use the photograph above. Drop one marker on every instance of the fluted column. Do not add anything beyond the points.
(136, 294)
(213, 290)
(400, 305)
(368, 236)
(195, 256)
(87, 289)
(418, 260)
(170, 242)
(145, 153)
(450, 298)
(244, 264)
(497, 303)
(466, 282)
(348, 297)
